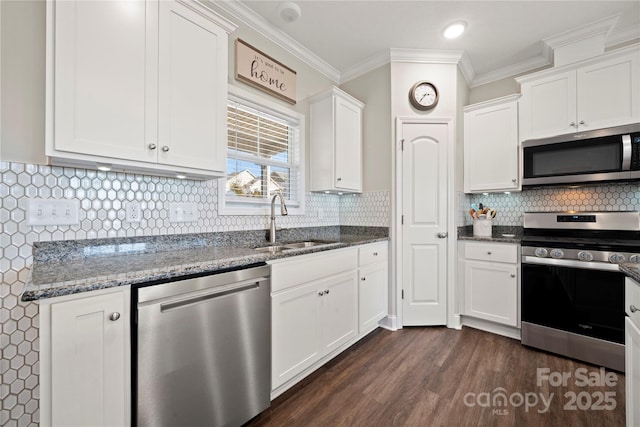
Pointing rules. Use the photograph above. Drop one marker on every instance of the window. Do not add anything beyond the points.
(264, 152)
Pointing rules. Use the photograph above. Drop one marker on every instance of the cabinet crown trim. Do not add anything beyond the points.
(491, 102)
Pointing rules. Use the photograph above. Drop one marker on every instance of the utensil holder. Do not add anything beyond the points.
(482, 227)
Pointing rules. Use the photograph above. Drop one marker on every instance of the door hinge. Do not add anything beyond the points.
(402, 145)
(402, 220)
(403, 294)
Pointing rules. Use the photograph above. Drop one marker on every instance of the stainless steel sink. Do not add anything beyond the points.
(274, 249)
(307, 244)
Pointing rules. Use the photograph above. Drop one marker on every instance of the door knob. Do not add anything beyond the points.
(114, 316)
(443, 235)
(633, 308)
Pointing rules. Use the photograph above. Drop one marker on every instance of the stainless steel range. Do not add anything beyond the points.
(572, 291)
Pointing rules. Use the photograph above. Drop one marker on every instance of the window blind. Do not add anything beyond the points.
(262, 155)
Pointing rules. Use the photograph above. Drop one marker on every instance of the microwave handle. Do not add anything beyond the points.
(626, 152)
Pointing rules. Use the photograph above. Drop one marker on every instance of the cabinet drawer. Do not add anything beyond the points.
(497, 252)
(375, 252)
(306, 268)
(632, 298)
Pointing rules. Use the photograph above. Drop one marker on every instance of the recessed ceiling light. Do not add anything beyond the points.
(289, 11)
(455, 30)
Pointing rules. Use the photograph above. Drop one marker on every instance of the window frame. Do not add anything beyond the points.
(263, 207)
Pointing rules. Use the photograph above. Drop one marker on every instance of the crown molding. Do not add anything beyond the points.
(545, 59)
(601, 27)
(247, 16)
(363, 67)
(625, 35)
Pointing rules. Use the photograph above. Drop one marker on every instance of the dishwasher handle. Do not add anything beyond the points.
(215, 293)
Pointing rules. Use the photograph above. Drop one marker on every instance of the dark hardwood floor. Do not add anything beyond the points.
(443, 377)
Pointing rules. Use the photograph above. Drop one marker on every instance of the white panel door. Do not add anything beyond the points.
(192, 120)
(348, 143)
(609, 93)
(88, 379)
(424, 195)
(106, 78)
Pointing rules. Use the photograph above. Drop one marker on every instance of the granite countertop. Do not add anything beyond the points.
(499, 233)
(70, 267)
(631, 270)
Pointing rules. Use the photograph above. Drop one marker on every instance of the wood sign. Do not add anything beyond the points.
(265, 73)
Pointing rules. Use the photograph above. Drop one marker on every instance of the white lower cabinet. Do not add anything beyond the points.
(632, 352)
(322, 303)
(490, 273)
(85, 359)
(312, 319)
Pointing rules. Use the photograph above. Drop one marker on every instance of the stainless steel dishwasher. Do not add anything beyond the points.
(203, 349)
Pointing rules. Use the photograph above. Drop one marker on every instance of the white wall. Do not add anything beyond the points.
(374, 89)
(22, 83)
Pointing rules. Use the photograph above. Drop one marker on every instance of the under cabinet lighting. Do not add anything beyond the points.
(507, 192)
(180, 176)
(103, 167)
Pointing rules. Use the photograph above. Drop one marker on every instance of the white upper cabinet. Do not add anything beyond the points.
(591, 94)
(141, 85)
(491, 150)
(336, 142)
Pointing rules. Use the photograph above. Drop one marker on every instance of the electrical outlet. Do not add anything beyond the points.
(53, 212)
(133, 211)
(183, 212)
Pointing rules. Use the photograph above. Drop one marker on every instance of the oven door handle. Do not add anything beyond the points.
(570, 263)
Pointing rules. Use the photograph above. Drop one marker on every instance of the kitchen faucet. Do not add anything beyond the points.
(283, 212)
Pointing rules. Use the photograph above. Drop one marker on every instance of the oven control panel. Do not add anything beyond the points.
(581, 255)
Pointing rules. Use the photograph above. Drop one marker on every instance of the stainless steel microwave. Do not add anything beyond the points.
(610, 154)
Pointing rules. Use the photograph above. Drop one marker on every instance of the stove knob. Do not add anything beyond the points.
(541, 252)
(585, 256)
(557, 253)
(635, 259)
(616, 258)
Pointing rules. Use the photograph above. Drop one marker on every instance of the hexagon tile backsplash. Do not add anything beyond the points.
(102, 196)
(511, 207)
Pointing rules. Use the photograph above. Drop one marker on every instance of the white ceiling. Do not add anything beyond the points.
(502, 37)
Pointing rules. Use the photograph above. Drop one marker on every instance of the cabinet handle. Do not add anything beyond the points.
(152, 146)
(327, 291)
(582, 122)
(363, 279)
(165, 148)
(488, 252)
(320, 293)
(633, 308)
(114, 316)
(572, 124)
(514, 180)
(339, 179)
(513, 275)
(375, 254)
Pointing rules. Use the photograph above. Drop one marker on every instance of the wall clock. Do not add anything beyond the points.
(423, 95)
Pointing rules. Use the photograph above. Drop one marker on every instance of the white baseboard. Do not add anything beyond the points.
(494, 328)
(389, 322)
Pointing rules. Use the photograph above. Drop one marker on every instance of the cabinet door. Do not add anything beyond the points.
(491, 149)
(632, 374)
(296, 332)
(372, 297)
(89, 385)
(548, 106)
(491, 291)
(105, 78)
(339, 310)
(609, 93)
(192, 89)
(348, 143)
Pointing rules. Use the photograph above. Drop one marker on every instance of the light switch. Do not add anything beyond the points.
(183, 212)
(53, 212)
